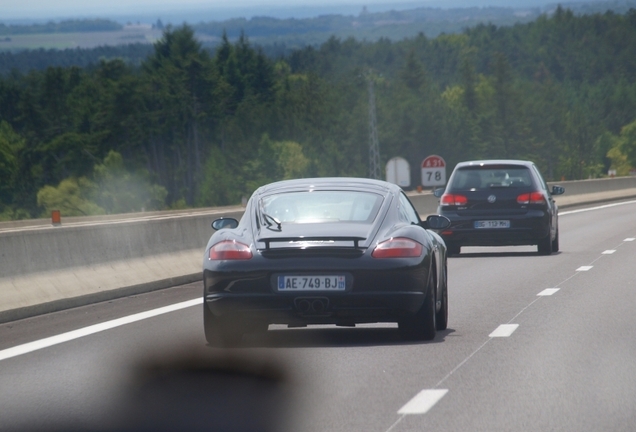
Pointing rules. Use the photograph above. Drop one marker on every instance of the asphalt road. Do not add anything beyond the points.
(535, 343)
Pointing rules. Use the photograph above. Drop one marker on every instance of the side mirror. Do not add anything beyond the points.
(557, 190)
(437, 222)
(224, 223)
(439, 192)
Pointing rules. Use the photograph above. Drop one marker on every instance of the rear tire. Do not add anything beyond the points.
(422, 325)
(555, 242)
(545, 246)
(220, 332)
(441, 320)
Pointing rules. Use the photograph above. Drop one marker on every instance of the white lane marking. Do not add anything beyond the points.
(584, 268)
(596, 208)
(504, 330)
(548, 291)
(423, 401)
(86, 331)
(609, 251)
(429, 397)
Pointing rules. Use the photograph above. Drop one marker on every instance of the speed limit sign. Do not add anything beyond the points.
(433, 171)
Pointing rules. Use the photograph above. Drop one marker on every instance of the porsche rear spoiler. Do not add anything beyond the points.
(318, 241)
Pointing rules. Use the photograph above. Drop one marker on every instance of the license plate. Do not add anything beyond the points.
(492, 224)
(311, 283)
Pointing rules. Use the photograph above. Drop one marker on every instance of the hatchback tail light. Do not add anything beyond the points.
(531, 198)
(399, 247)
(230, 250)
(453, 200)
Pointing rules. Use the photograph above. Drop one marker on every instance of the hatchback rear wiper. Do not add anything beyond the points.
(270, 218)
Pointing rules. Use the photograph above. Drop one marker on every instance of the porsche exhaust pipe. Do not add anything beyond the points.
(303, 305)
(311, 305)
(318, 306)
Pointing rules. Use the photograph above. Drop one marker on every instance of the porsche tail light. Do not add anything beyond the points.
(230, 250)
(399, 247)
(453, 200)
(531, 198)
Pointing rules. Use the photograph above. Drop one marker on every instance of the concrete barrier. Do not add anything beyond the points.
(576, 192)
(45, 248)
(44, 268)
(580, 187)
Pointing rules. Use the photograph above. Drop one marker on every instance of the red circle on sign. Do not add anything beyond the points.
(434, 161)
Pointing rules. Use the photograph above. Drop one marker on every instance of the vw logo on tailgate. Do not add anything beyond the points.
(492, 199)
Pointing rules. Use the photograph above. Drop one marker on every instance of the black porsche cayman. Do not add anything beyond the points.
(337, 251)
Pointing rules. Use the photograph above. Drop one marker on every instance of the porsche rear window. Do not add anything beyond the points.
(488, 178)
(322, 206)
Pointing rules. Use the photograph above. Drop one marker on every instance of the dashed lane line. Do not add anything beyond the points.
(427, 398)
(548, 292)
(504, 330)
(423, 401)
(584, 268)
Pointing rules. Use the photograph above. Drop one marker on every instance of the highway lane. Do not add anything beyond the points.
(567, 366)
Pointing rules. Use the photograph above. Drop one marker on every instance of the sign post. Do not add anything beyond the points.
(433, 171)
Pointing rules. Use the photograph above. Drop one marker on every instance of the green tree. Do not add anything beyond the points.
(71, 197)
(292, 163)
(578, 160)
(119, 191)
(219, 185)
(112, 189)
(275, 161)
(11, 144)
(180, 82)
(622, 149)
(413, 74)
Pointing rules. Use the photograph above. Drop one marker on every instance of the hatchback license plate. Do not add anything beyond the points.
(311, 283)
(492, 224)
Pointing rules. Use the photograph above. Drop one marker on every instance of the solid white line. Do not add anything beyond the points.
(596, 208)
(548, 291)
(609, 251)
(629, 239)
(423, 401)
(584, 268)
(86, 331)
(504, 330)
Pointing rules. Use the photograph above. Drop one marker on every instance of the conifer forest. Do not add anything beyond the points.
(189, 126)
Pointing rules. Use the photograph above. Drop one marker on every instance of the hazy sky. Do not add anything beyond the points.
(55, 9)
(11, 9)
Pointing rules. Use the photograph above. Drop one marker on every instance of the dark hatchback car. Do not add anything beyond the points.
(337, 251)
(499, 203)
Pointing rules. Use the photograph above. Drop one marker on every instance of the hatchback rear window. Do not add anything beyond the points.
(322, 206)
(475, 178)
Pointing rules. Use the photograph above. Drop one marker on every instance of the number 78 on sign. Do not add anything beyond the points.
(433, 171)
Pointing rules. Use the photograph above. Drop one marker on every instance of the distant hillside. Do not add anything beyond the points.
(68, 26)
(40, 59)
(394, 24)
(84, 42)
